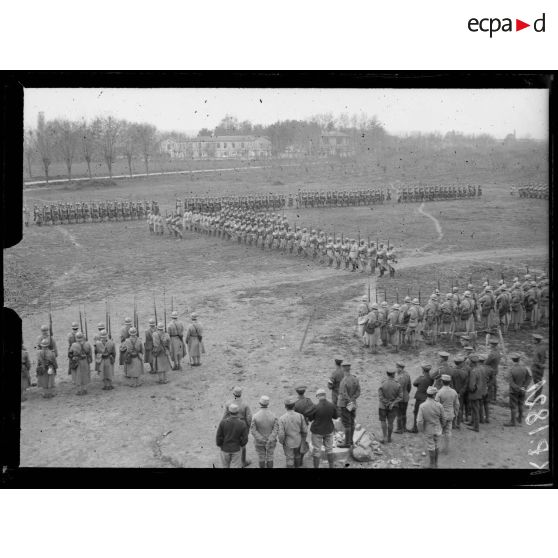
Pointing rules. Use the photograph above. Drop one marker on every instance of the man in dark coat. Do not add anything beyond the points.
(422, 383)
(232, 436)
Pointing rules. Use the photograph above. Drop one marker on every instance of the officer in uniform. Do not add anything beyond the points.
(474, 393)
(245, 415)
(303, 404)
(105, 355)
(264, 428)
(519, 380)
(404, 381)
(81, 356)
(421, 383)
(460, 378)
(176, 333)
(349, 392)
(124, 334)
(335, 380)
(485, 378)
(493, 361)
(449, 399)
(390, 394)
(431, 421)
(292, 433)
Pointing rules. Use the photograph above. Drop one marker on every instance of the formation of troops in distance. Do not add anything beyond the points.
(538, 191)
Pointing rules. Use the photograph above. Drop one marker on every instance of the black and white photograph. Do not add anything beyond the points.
(283, 277)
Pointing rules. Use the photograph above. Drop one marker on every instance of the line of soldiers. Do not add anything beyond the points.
(271, 231)
(488, 310)
(209, 204)
(163, 349)
(94, 212)
(435, 193)
(341, 198)
(539, 191)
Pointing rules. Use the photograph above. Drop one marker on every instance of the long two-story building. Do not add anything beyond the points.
(221, 147)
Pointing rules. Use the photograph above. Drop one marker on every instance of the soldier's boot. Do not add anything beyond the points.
(414, 430)
(245, 461)
(348, 439)
(316, 461)
(384, 434)
(269, 464)
(389, 431)
(404, 424)
(399, 429)
(436, 453)
(262, 464)
(331, 460)
(432, 457)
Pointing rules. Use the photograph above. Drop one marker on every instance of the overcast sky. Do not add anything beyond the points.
(473, 111)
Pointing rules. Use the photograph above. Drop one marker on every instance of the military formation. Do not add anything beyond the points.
(272, 232)
(436, 193)
(211, 204)
(539, 191)
(93, 212)
(341, 198)
(469, 316)
(163, 349)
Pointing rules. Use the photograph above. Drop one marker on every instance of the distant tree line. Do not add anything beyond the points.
(104, 139)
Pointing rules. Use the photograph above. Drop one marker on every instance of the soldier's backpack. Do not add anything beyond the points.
(504, 305)
(371, 326)
(516, 301)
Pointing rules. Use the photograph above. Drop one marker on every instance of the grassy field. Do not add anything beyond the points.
(254, 307)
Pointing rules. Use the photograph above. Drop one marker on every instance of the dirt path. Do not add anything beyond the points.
(67, 234)
(436, 224)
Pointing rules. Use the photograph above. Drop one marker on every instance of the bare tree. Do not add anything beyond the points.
(129, 140)
(89, 138)
(147, 137)
(109, 132)
(44, 143)
(29, 147)
(66, 140)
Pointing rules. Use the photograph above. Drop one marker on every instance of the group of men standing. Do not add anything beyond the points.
(436, 193)
(162, 349)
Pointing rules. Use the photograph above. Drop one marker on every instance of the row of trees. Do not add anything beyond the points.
(104, 138)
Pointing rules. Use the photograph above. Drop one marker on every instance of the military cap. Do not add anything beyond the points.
(174, 314)
(458, 358)
(346, 364)
(44, 342)
(493, 341)
(433, 296)
(390, 372)
(44, 328)
(470, 286)
(264, 401)
(290, 402)
(161, 326)
(127, 320)
(338, 360)
(515, 356)
(237, 391)
(467, 294)
(446, 378)
(396, 306)
(133, 331)
(400, 364)
(151, 321)
(320, 391)
(528, 276)
(79, 335)
(374, 305)
(407, 299)
(431, 390)
(103, 333)
(537, 336)
(74, 325)
(384, 304)
(233, 408)
(443, 354)
(468, 348)
(425, 366)
(455, 289)
(300, 388)
(364, 299)
(193, 316)
(473, 358)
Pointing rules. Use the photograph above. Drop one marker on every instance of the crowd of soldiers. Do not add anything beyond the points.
(447, 396)
(539, 191)
(162, 350)
(94, 212)
(436, 193)
(272, 232)
(211, 204)
(341, 198)
(474, 313)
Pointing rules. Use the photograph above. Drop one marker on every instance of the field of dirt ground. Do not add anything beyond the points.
(254, 307)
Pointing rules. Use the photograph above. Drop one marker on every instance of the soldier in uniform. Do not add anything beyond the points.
(345, 252)
(46, 368)
(393, 338)
(124, 334)
(442, 368)
(292, 433)
(404, 381)
(231, 438)
(264, 428)
(460, 378)
(245, 415)
(390, 394)
(303, 404)
(431, 320)
(25, 368)
(45, 334)
(194, 341)
(492, 362)
(449, 399)
(133, 357)
(431, 421)
(353, 255)
(161, 359)
(105, 356)
(474, 393)
(517, 311)
(519, 380)
(81, 357)
(349, 392)
(371, 257)
(421, 383)
(372, 329)
(148, 345)
(176, 333)
(335, 380)
(539, 361)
